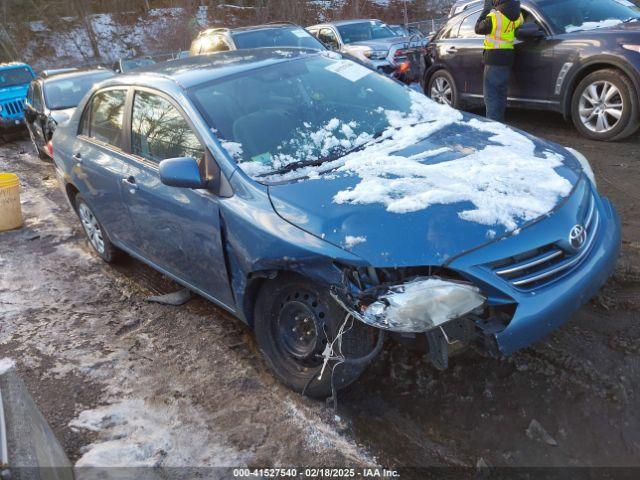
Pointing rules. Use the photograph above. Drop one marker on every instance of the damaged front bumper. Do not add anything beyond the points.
(446, 315)
(489, 313)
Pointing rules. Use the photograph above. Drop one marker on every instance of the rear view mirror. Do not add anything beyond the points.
(530, 31)
(182, 173)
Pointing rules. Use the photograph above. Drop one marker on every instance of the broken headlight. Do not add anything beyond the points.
(421, 305)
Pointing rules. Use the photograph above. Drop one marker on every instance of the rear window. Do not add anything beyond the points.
(106, 117)
(15, 76)
(67, 92)
(276, 37)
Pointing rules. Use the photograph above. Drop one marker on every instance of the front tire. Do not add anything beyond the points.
(605, 106)
(441, 88)
(97, 236)
(294, 321)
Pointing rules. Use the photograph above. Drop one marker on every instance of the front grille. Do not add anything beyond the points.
(12, 108)
(548, 263)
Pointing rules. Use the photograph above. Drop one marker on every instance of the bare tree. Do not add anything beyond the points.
(85, 19)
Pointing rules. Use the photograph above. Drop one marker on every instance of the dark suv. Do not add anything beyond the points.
(258, 36)
(577, 57)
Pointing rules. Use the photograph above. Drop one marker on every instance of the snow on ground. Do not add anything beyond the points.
(135, 433)
(611, 22)
(6, 364)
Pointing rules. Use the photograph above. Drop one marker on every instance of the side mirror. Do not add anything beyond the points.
(530, 31)
(182, 173)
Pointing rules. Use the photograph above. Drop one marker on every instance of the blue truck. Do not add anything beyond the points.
(14, 83)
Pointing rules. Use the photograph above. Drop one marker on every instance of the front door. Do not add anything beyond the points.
(533, 67)
(34, 115)
(178, 229)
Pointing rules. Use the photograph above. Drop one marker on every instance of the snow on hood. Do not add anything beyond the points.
(505, 182)
(449, 184)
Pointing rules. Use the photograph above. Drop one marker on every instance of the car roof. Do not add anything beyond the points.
(75, 73)
(250, 28)
(13, 65)
(191, 71)
(338, 23)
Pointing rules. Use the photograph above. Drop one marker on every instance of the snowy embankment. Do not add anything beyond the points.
(68, 41)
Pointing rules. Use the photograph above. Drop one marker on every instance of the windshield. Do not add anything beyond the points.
(364, 31)
(400, 31)
(128, 65)
(276, 37)
(577, 15)
(15, 76)
(312, 109)
(63, 93)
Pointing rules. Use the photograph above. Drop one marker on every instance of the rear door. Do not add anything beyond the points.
(450, 53)
(98, 160)
(178, 229)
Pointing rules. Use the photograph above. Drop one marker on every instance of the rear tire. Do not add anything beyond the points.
(441, 88)
(96, 234)
(294, 321)
(605, 106)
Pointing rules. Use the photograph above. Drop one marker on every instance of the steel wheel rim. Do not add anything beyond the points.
(601, 106)
(441, 91)
(91, 228)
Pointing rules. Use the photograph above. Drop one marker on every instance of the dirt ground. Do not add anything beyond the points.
(125, 381)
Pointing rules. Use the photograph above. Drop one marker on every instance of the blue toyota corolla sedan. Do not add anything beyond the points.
(329, 207)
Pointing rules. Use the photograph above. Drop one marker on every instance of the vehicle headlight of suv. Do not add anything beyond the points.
(417, 306)
(376, 54)
(633, 48)
(586, 166)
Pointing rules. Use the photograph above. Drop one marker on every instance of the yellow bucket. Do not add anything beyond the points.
(10, 211)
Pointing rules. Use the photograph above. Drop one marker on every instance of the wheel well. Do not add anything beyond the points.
(430, 73)
(72, 193)
(256, 281)
(581, 75)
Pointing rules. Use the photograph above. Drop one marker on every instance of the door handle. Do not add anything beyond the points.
(452, 50)
(130, 182)
(78, 158)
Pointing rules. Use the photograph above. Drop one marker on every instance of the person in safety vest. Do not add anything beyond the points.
(498, 22)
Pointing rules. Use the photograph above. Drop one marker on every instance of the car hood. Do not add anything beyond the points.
(343, 205)
(17, 92)
(62, 116)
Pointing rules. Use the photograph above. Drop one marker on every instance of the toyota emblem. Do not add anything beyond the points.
(578, 237)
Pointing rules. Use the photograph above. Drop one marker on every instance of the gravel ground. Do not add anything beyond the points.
(125, 381)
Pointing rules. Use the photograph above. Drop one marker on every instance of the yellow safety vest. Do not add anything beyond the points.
(503, 33)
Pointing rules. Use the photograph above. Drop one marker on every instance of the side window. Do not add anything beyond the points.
(468, 26)
(328, 37)
(159, 131)
(30, 95)
(107, 116)
(450, 31)
(37, 103)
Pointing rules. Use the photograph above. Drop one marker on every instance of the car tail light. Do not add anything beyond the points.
(404, 67)
(50, 148)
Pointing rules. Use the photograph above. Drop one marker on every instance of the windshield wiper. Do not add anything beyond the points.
(631, 19)
(330, 158)
(319, 161)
